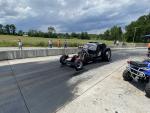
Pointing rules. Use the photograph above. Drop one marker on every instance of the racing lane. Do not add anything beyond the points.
(45, 86)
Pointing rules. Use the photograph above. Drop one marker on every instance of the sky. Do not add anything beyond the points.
(93, 16)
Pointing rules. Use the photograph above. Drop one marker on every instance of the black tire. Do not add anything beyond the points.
(63, 59)
(148, 55)
(106, 55)
(147, 89)
(78, 64)
(127, 76)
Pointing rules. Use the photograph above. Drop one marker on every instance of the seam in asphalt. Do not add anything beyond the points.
(19, 88)
(75, 98)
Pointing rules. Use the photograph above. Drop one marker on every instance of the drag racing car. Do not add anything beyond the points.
(90, 52)
(139, 71)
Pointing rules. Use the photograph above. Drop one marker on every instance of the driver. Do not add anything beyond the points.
(148, 46)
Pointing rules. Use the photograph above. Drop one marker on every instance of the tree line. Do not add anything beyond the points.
(115, 33)
(135, 31)
(35, 33)
(138, 29)
(9, 29)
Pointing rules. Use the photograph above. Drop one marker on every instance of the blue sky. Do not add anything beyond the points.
(93, 16)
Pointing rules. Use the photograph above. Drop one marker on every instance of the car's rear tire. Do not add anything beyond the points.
(63, 59)
(147, 89)
(127, 76)
(78, 64)
(107, 55)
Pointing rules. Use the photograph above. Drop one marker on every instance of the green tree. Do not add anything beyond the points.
(7, 29)
(84, 35)
(116, 33)
(12, 29)
(32, 32)
(51, 29)
(120, 33)
(1, 29)
(107, 35)
(137, 29)
(75, 35)
(67, 35)
(20, 33)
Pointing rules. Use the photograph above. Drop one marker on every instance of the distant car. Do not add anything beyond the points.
(140, 71)
(90, 52)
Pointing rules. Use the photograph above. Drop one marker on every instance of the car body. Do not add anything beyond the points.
(139, 71)
(90, 52)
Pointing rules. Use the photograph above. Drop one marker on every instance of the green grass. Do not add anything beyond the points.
(11, 41)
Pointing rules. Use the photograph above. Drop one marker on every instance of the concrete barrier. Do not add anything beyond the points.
(20, 54)
(3, 55)
(141, 44)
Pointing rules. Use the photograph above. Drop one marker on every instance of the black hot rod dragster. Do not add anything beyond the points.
(92, 51)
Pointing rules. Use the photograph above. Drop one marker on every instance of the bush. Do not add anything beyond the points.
(41, 44)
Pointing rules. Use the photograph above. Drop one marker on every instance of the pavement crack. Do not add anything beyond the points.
(19, 88)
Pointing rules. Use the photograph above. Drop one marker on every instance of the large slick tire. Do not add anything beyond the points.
(106, 55)
(147, 89)
(63, 59)
(126, 76)
(78, 64)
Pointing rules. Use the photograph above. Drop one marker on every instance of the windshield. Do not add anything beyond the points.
(90, 46)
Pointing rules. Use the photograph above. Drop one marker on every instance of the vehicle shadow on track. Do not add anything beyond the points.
(139, 85)
(115, 57)
(44, 86)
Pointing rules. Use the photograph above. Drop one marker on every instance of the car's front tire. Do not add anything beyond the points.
(63, 59)
(78, 64)
(147, 89)
(127, 76)
(107, 55)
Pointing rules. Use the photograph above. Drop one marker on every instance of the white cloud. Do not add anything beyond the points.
(62, 2)
(71, 15)
(14, 10)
